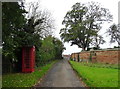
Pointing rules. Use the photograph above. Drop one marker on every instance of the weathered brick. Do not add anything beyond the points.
(102, 56)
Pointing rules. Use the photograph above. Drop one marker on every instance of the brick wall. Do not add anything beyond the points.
(107, 56)
(110, 56)
(85, 56)
(75, 56)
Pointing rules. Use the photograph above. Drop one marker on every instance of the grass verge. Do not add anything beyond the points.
(25, 79)
(96, 76)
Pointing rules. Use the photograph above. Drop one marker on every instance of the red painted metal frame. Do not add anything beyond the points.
(28, 59)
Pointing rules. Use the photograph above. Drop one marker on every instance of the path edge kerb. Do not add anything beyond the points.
(42, 78)
(79, 76)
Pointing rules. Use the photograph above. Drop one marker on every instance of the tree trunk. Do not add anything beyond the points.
(83, 48)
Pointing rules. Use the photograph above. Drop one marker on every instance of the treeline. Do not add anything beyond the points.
(51, 48)
(21, 27)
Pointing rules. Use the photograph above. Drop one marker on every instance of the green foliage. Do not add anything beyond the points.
(47, 49)
(19, 31)
(59, 47)
(116, 46)
(83, 23)
(50, 49)
(94, 48)
(96, 76)
(12, 22)
(23, 79)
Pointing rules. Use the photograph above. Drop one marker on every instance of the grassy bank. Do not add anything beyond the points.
(25, 79)
(96, 76)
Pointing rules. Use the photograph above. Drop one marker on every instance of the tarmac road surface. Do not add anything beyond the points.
(60, 75)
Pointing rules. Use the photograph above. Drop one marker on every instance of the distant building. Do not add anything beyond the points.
(67, 57)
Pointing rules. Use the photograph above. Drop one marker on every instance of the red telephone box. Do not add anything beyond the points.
(28, 59)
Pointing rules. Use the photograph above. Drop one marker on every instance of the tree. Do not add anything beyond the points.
(83, 23)
(59, 47)
(37, 26)
(12, 22)
(97, 40)
(114, 32)
(39, 22)
(47, 50)
(37, 29)
(22, 28)
(51, 49)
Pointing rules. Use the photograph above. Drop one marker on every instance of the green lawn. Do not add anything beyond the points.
(95, 76)
(25, 79)
(101, 65)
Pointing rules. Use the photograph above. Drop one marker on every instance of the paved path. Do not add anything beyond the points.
(61, 75)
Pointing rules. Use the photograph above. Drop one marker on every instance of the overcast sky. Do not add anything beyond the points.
(59, 8)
